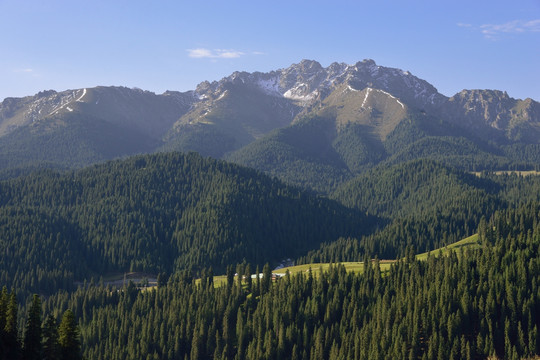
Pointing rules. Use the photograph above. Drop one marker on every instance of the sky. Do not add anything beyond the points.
(175, 45)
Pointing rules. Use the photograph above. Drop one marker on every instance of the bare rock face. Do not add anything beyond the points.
(495, 113)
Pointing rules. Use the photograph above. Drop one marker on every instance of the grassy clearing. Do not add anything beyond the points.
(219, 280)
(472, 242)
(509, 172)
(357, 267)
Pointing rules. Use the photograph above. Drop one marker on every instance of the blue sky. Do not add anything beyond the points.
(174, 45)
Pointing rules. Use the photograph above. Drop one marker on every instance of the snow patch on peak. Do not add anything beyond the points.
(368, 90)
(300, 92)
(66, 98)
(269, 86)
(80, 97)
(222, 95)
(393, 97)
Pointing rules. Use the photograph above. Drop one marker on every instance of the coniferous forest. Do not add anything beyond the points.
(184, 218)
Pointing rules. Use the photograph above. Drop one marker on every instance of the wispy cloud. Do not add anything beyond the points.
(214, 54)
(492, 31)
(512, 27)
(26, 70)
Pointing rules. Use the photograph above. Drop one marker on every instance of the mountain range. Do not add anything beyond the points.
(307, 124)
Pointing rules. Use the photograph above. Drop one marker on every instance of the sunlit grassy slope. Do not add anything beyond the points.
(357, 267)
(470, 242)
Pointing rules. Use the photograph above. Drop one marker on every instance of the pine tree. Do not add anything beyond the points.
(267, 279)
(4, 296)
(240, 272)
(68, 337)
(51, 347)
(247, 272)
(230, 276)
(11, 335)
(32, 332)
(257, 290)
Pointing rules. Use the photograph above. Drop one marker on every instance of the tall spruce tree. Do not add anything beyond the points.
(267, 279)
(11, 334)
(32, 332)
(68, 337)
(4, 296)
(51, 347)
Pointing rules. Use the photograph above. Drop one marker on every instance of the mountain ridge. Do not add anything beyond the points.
(222, 117)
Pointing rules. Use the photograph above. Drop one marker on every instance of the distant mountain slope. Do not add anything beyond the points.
(333, 144)
(364, 128)
(70, 140)
(495, 116)
(235, 116)
(81, 127)
(373, 114)
(139, 110)
(156, 213)
(244, 107)
(301, 154)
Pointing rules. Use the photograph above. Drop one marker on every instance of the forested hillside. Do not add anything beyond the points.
(417, 187)
(184, 216)
(483, 303)
(169, 212)
(427, 205)
(158, 213)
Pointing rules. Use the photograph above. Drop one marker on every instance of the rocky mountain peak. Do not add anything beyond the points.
(308, 82)
(45, 93)
(368, 65)
(336, 68)
(477, 95)
(402, 84)
(309, 66)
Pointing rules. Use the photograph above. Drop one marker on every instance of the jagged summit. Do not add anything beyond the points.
(308, 82)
